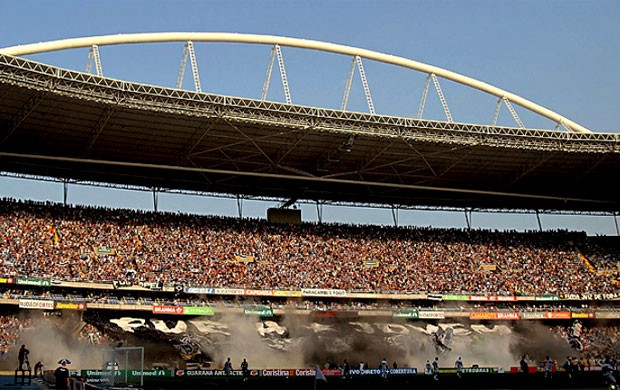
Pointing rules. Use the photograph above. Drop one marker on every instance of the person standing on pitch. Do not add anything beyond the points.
(436, 368)
(549, 363)
(428, 369)
(459, 367)
(346, 370)
(524, 366)
(384, 368)
(227, 368)
(244, 370)
(608, 373)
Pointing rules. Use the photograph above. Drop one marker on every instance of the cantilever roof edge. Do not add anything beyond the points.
(104, 40)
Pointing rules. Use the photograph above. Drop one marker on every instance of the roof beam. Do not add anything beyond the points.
(317, 179)
(98, 128)
(21, 115)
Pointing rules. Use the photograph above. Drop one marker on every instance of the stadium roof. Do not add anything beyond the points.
(72, 125)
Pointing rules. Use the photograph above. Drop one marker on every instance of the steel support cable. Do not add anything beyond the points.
(287, 92)
(442, 98)
(513, 112)
(268, 75)
(194, 64)
(347, 87)
(424, 95)
(183, 66)
(360, 67)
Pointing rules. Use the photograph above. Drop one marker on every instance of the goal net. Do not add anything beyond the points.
(123, 366)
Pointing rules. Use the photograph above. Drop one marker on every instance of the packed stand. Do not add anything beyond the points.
(603, 254)
(592, 341)
(95, 336)
(49, 241)
(11, 329)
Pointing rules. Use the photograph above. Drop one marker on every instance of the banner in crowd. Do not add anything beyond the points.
(56, 236)
(533, 315)
(184, 310)
(405, 314)
(463, 297)
(214, 291)
(497, 315)
(287, 293)
(488, 267)
(454, 297)
(100, 376)
(34, 282)
(377, 371)
(129, 284)
(259, 311)
(581, 315)
(283, 372)
(274, 372)
(244, 258)
(229, 291)
(431, 314)
(335, 313)
(590, 297)
(289, 372)
(80, 306)
(264, 293)
(493, 298)
(104, 250)
(392, 295)
(322, 292)
(121, 283)
(473, 370)
(40, 304)
(175, 310)
(198, 311)
(212, 373)
(557, 315)
(547, 298)
(607, 314)
(155, 286)
(199, 290)
(6, 280)
(267, 373)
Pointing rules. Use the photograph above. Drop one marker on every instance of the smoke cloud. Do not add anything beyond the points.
(294, 340)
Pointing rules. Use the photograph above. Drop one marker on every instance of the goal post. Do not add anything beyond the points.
(123, 366)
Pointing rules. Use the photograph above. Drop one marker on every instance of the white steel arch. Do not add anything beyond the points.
(104, 40)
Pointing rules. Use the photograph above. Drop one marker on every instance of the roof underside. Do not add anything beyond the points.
(66, 124)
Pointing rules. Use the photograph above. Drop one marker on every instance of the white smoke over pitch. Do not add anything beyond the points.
(299, 341)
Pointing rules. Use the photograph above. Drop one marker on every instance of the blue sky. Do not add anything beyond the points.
(561, 54)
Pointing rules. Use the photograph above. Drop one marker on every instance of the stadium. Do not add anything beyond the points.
(158, 299)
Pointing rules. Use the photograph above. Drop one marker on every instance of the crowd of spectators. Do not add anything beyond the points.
(93, 335)
(55, 242)
(11, 328)
(603, 254)
(596, 341)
